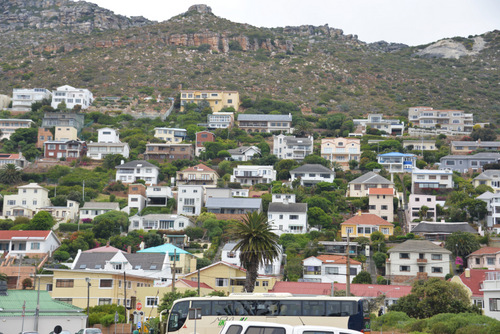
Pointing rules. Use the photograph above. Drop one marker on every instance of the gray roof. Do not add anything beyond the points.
(488, 174)
(475, 143)
(242, 149)
(415, 246)
(371, 177)
(292, 207)
(146, 261)
(101, 205)
(264, 117)
(292, 140)
(483, 155)
(486, 196)
(446, 228)
(312, 168)
(229, 246)
(237, 203)
(136, 163)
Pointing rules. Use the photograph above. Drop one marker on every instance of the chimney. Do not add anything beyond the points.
(122, 162)
(467, 273)
(129, 249)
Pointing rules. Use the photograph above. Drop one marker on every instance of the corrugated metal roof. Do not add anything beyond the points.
(12, 304)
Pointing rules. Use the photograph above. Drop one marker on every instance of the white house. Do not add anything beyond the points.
(431, 179)
(311, 174)
(159, 222)
(9, 125)
(283, 198)
(288, 217)
(244, 153)
(359, 186)
(233, 205)
(493, 207)
(64, 213)
(135, 170)
(327, 268)
(240, 192)
(291, 147)
(90, 210)
(233, 257)
(417, 259)
(72, 96)
(391, 126)
(416, 202)
(491, 290)
(251, 174)
(396, 162)
(23, 98)
(108, 142)
(28, 243)
(190, 200)
(26, 203)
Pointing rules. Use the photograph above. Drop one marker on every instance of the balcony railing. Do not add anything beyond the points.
(421, 260)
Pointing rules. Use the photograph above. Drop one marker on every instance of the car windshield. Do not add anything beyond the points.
(93, 331)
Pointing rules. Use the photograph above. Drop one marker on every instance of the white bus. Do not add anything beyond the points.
(284, 308)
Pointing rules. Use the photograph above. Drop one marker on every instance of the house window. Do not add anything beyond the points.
(294, 217)
(117, 266)
(106, 283)
(104, 301)
(221, 282)
(65, 300)
(404, 268)
(437, 270)
(35, 245)
(265, 283)
(495, 304)
(404, 255)
(384, 207)
(64, 283)
(152, 301)
(349, 230)
(332, 270)
(436, 256)
(490, 260)
(385, 230)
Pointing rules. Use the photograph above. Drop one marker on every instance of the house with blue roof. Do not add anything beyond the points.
(396, 162)
(183, 261)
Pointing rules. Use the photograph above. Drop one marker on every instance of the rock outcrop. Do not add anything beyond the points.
(448, 48)
(387, 47)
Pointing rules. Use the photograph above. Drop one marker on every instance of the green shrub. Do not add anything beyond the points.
(398, 320)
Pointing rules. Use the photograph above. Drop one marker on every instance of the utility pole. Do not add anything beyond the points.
(173, 271)
(199, 295)
(348, 270)
(83, 191)
(125, 295)
(37, 311)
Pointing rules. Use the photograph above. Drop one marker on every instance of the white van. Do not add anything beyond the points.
(258, 327)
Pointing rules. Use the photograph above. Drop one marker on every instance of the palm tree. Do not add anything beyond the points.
(10, 174)
(257, 245)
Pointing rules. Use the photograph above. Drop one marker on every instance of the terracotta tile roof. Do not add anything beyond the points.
(475, 281)
(366, 219)
(194, 284)
(381, 191)
(9, 156)
(359, 290)
(7, 235)
(337, 259)
(199, 168)
(486, 250)
(104, 249)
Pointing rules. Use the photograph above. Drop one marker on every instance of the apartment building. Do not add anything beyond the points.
(9, 125)
(69, 150)
(197, 175)
(465, 147)
(425, 179)
(415, 204)
(55, 119)
(287, 217)
(190, 199)
(98, 151)
(465, 163)
(65, 133)
(160, 222)
(396, 162)
(312, 174)
(168, 152)
(341, 150)
(23, 98)
(203, 137)
(291, 147)
(26, 202)
(251, 174)
(135, 170)
(447, 120)
(72, 96)
(171, 135)
(420, 145)
(376, 121)
(217, 100)
(265, 123)
(220, 120)
(490, 177)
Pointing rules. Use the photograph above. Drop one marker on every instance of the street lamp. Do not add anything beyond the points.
(87, 279)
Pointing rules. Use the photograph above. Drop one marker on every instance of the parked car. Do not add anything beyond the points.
(89, 331)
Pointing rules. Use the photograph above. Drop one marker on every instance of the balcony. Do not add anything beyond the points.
(421, 260)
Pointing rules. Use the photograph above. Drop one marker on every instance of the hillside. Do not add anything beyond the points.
(80, 44)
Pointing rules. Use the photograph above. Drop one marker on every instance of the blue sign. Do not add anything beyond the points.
(138, 324)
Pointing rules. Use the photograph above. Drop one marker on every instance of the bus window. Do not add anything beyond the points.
(266, 307)
(290, 308)
(205, 306)
(333, 308)
(349, 308)
(234, 329)
(224, 307)
(178, 316)
(264, 330)
(313, 308)
(244, 307)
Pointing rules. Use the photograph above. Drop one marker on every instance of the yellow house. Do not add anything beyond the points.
(362, 225)
(223, 276)
(183, 261)
(65, 133)
(216, 99)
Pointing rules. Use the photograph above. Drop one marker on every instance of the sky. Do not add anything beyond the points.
(412, 22)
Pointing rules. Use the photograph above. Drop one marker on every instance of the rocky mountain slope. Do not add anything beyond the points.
(54, 42)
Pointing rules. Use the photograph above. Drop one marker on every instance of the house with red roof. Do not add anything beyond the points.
(364, 224)
(327, 268)
(486, 257)
(380, 201)
(16, 159)
(197, 175)
(472, 280)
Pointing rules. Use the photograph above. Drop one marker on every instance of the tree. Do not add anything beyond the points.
(485, 134)
(317, 217)
(461, 243)
(379, 258)
(9, 174)
(110, 223)
(434, 296)
(257, 244)
(42, 221)
(169, 298)
(362, 278)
